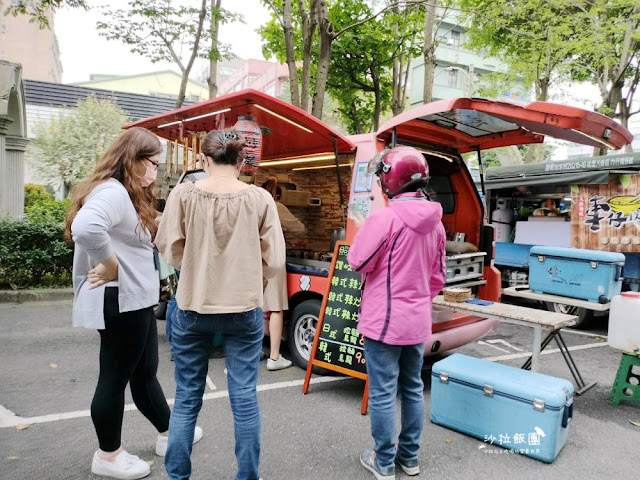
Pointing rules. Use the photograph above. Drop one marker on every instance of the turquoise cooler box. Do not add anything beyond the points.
(503, 406)
(571, 272)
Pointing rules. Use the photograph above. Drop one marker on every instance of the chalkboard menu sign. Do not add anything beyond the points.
(337, 344)
(339, 341)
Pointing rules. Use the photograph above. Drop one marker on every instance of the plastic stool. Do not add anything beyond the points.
(623, 390)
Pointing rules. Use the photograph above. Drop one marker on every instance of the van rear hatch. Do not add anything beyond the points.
(470, 124)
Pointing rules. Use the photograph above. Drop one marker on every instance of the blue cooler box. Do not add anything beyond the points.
(572, 272)
(503, 406)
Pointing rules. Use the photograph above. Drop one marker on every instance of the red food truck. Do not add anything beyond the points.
(322, 171)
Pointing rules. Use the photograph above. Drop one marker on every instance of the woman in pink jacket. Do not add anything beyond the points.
(400, 252)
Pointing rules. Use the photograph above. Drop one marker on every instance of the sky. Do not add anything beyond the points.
(84, 52)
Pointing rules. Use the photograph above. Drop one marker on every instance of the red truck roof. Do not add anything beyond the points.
(288, 131)
(468, 124)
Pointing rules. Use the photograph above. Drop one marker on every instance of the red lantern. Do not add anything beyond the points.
(249, 129)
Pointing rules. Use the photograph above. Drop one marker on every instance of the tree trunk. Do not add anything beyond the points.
(194, 54)
(166, 178)
(535, 154)
(213, 61)
(309, 23)
(287, 27)
(429, 51)
(326, 36)
(357, 125)
(378, 102)
(396, 73)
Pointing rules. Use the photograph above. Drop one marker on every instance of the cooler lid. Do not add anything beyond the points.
(578, 254)
(518, 384)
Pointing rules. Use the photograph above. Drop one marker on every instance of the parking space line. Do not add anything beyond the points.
(586, 334)
(210, 383)
(9, 419)
(546, 351)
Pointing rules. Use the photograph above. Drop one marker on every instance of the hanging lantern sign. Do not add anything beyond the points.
(249, 129)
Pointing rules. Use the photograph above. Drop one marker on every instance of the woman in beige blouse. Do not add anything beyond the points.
(225, 238)
(276, 299)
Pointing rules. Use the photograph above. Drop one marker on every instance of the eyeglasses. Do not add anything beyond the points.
(155, 164)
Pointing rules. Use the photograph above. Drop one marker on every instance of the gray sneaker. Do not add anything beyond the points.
(411, 467)
(368, 461)
(278, 364)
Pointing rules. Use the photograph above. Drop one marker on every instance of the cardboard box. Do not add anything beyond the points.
(295, 198)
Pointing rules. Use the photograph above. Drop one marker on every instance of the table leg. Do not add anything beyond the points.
(535, 349)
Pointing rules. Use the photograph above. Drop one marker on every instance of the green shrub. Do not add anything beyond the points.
(47, 211)
(35, 193)
(34, 254)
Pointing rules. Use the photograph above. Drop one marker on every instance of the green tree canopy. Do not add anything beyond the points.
(65, 149)
(39, 10)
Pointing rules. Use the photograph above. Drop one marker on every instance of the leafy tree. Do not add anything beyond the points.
(367, 63)
(161, 30)
(303, 34)
(608, 52)
(40, 10)
(532, 37)
(543, 42)
(65, 150)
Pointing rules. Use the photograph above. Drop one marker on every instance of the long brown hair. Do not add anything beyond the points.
(271, 186)
(120, 162)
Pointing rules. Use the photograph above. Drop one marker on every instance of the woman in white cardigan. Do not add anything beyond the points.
(112, 221)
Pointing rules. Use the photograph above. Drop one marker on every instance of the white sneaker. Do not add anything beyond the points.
(124, 467)
(278, 364)
(163, 441)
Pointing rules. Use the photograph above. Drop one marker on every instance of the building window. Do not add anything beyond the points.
(453, 78)
(454, 39)
(226, 71)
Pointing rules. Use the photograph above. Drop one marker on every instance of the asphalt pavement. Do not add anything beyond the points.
(48, 372)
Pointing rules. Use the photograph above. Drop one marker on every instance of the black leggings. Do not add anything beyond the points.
(128, 353)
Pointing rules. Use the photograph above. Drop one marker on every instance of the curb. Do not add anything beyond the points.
(39, 295)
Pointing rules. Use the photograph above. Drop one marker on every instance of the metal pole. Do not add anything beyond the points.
(335, 153)
(481, 171)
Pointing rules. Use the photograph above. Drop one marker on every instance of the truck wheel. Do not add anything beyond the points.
(160, 310)
(301, 331)
(585, 317)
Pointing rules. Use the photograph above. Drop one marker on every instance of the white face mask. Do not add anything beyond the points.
(150, 175)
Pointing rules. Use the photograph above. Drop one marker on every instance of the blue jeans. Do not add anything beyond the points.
(192, 334)
(170, 316)
(393, 368)
(172, 312)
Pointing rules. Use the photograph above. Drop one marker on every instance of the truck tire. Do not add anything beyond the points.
(585, 317)
(301, 331)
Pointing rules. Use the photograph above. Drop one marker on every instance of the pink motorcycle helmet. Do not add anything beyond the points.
(400, 169)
